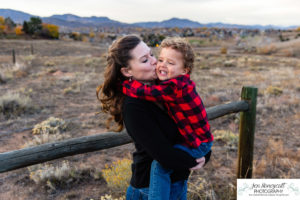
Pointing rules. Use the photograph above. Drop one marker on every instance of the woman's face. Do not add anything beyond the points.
(142, 65)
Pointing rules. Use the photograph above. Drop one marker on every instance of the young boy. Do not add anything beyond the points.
(178, 94)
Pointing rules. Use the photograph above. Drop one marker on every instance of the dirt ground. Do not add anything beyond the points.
(61, 78)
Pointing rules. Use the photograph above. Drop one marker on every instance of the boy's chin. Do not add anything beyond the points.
(162, 78)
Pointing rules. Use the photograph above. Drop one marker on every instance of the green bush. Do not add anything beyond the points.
(153, 39)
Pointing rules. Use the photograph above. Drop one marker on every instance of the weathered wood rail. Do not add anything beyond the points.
(50, 151)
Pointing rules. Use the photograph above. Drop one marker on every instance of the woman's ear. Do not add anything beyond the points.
(125, 72)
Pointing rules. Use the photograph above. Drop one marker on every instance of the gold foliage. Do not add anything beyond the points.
(51, 30)
(18, 30)
(118, 175)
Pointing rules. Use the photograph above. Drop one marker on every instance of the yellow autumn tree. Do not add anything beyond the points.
(50, 31)
(2, 21)
(298, 29)
(2, 24)
(18, 30)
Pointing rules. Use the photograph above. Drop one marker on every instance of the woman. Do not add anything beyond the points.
(154, 133)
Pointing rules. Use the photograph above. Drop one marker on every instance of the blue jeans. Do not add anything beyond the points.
(160, 180)
(178, 192)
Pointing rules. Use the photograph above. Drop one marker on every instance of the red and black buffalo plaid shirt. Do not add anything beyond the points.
(183, 103)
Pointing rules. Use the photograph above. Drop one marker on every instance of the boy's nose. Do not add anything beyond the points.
(162, 64)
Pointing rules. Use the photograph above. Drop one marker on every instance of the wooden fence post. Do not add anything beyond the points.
(246, 137)
(31, 49)
(13, 56)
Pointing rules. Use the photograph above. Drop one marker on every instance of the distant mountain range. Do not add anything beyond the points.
(73, 21)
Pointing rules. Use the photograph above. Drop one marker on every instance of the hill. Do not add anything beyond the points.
(16, 16)
(74, 21)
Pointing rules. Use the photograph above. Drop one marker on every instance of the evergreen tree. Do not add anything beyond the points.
(25, 27)
(33, 27)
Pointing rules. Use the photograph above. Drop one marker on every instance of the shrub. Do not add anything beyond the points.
(2, 79)
(51, 130)
(14, 104)
(94, 61)
(223, 50)
(75, 36)
(49, 63)
(229, 63)
(228, 137)
(117, 175)
(276, 91)
(199, 188)
(53, 176)
(46, 138)
(109, 197)
(50, 126)
(73, 89)
(266, 50)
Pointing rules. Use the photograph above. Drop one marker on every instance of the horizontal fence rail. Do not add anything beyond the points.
(50, 151)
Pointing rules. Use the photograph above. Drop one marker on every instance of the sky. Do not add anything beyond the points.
(250, 12)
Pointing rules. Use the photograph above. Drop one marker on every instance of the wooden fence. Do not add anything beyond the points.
(50, 151)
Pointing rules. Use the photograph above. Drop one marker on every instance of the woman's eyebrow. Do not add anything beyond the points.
(143, 57)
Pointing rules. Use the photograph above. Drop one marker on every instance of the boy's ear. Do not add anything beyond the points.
(186, 71)
(125, 72)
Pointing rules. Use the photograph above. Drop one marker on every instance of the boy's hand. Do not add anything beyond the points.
(201, 162)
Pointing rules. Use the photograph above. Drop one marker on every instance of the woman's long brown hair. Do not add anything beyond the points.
(110, 92)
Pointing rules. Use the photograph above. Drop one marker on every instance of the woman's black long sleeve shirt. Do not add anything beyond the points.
(154, 133)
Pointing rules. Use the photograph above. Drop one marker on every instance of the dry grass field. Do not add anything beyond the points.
(59, 80)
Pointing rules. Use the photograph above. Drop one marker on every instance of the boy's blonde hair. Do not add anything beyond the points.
(181, 45)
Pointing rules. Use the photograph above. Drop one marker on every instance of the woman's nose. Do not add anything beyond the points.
(153, 61)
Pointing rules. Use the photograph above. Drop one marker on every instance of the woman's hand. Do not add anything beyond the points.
(201, 162)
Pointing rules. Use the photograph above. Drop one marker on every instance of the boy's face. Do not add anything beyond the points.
(170, 64)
